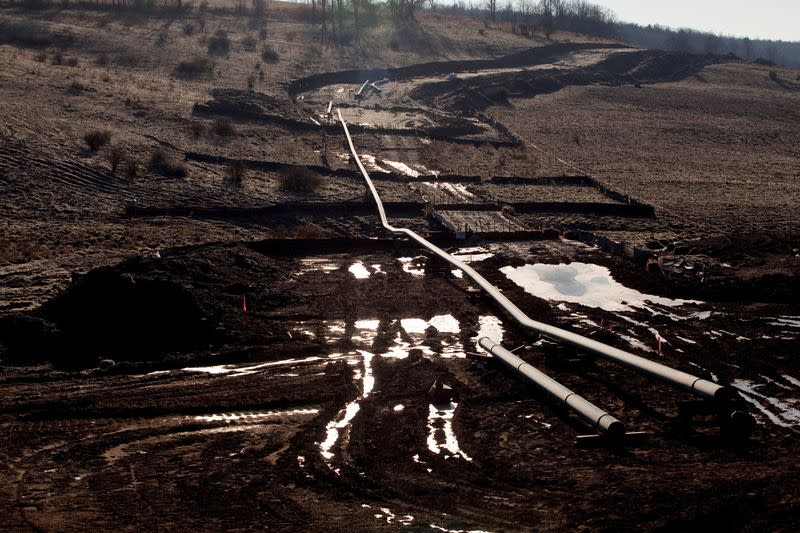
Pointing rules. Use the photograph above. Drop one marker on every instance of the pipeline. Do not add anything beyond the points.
(693, 384)
(604, 422)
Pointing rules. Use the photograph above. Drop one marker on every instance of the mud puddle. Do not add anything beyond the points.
(441, 437)
(586, 284)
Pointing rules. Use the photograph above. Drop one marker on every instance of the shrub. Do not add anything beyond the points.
(773, 75)
(131, 167)
(235, 173)
(41, 57)
(249, 43)
(219, 44)
(188, 28)
(71, 61)
(299, 180)
(262, 34)
(195, 68)
(268, 54)
(115, 156)
(131, 59)
(197, 129)
(161, 163)
(223, 127)
(96, 139)
(102, 59)
(77, 87)
(57, 59)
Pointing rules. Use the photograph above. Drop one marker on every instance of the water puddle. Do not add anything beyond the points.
(359, 270)
(370, 163)
(318, 264)
(390, 517)
(376, 164)
(440, 424)
(413, 265)
(586, 284)
(239, 370)
(784, 412)
(472, 255)
(785, 321)
(436, 527)
(402, 168)
(489, 326)
(250, 417)
(445, 324)
(340, 425)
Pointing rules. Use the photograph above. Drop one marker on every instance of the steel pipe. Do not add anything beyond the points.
(694, 384)
(604, 422)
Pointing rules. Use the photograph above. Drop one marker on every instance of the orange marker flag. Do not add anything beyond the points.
(244, 303)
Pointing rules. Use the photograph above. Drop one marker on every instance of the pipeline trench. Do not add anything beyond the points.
(282, 376)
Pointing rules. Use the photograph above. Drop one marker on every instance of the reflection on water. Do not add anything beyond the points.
(441, 437)
(586, 284)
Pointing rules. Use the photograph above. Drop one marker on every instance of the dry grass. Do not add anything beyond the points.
(235, 173)
(96, 139)
(223, 127)
(219, 45)
(115, 156)
(299, 180)
(163, 164)
(199, 67)
(269, 55)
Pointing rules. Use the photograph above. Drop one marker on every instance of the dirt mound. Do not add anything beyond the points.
(476, 94)
(531, 56)
(145, 308)
(241, 104)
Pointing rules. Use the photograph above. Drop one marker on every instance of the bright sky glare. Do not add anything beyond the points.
(766, 19)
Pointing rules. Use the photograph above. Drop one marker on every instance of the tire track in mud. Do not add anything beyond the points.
(55, 480)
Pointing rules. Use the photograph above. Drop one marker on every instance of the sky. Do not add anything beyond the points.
(767, 19)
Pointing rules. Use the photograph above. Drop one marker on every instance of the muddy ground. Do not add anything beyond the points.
(200, 353)
(242, 435)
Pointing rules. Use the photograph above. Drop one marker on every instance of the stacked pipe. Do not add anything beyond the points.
(601, 420)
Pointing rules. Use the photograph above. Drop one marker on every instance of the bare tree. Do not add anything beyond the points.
(680, 41)
(748, 48)
(712, 44)
(492, 5)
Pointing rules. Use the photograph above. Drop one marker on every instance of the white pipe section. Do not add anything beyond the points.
(604, 422)
(358, 93)
(689, 382)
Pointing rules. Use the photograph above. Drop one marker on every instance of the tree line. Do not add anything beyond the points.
(686, 40)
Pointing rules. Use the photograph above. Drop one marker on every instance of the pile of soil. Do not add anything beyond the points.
(145, 308)
(244, 105)
(476, 94)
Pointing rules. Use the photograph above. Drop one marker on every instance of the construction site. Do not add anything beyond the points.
(479, 281)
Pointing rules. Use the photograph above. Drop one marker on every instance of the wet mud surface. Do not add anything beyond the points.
(312, 409)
